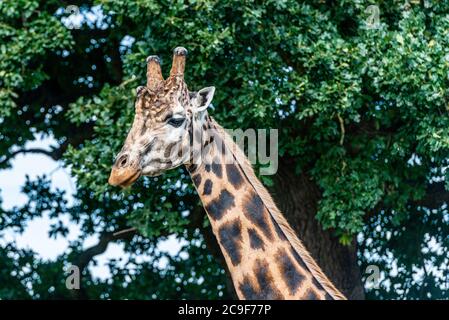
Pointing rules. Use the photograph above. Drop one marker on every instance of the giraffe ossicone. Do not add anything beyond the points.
(172, 127)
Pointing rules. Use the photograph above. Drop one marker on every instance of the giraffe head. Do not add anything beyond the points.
(166, 114)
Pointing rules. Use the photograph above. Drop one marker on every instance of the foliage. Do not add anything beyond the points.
(362, 111)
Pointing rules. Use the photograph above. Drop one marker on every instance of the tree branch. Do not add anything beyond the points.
(286, 57)
(85, 131)
(52, 154)
(436, 196)
(85, 257)
(342, 129)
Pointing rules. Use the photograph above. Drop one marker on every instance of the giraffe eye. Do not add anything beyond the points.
(176, 122)
(139, 90)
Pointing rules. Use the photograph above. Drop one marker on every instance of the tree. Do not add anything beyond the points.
(361, 109)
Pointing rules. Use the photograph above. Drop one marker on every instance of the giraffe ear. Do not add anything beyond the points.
(203, 98)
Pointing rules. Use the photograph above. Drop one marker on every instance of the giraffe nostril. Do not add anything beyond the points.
(122, 161)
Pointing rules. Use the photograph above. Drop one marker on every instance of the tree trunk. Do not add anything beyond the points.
(297, 197)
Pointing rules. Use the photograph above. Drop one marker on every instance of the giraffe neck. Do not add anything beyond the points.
(263, 255)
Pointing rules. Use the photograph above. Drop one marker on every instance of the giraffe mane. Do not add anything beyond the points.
(276, 214)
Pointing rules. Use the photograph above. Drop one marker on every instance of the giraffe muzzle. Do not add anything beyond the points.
(123, 174)
(123, 177)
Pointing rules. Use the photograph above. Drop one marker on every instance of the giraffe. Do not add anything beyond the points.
(264, 256)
